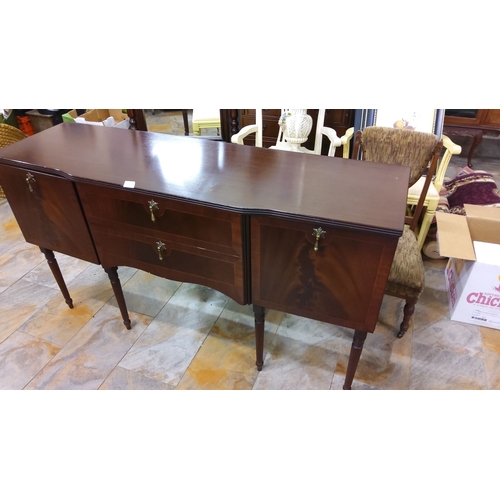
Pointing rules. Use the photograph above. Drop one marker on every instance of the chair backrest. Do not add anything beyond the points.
(281, 143)
(450, 149)
(418, 150)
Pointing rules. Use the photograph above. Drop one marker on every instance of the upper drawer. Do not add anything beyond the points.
(152, 215)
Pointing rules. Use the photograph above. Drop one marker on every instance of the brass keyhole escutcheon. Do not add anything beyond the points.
(160, 247)
(319, 233)
(30, 179)
(152, 207)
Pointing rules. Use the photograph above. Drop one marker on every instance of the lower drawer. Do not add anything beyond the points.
(172, 260)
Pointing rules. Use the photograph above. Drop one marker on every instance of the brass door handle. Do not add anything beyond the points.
(30, 180)
(319, 233)
(160, 246)
(152, 207)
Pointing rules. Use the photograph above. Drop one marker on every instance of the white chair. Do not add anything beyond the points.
(283, 144)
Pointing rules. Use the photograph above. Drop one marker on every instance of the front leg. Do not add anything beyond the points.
(112, 273)
(56, 272)
(259, 315)
(356, 348)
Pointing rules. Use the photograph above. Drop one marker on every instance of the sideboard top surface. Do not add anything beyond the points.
(241, 178)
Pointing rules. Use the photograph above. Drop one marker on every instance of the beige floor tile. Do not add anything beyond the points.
(491, 339)
(167, 347)
(199, 298)
(55, 322)
(434, 368)
(5, 211)
(339, 380)
(452, 336)
(382, 365)
(19, 303)
(309, 331)
(492, 368)
(221, 364)
(292, 364)
(147, 294)
(491, 354)
(16, 262)
(122, 379)
(21, 358)
(237, 323)
(11, 235)
(91, 355)
(385, 360)
(162, 128)
(69, 266)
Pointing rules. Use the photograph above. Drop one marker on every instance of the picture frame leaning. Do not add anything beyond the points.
(410, 118)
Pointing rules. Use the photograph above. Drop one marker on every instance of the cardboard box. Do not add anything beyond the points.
(102, 117)
(472, 243)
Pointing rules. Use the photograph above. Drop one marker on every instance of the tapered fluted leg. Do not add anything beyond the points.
(112, 273)
(356, 348)
(259, 315)
(54, 267)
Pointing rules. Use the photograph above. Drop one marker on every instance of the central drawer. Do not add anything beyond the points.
(152, 215)
(174, 239)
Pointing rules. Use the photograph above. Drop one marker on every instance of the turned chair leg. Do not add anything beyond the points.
(408, 311)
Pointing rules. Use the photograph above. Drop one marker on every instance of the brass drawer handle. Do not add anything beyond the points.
(319, 233)
(160, 246)
(152, 207)
(30, 179)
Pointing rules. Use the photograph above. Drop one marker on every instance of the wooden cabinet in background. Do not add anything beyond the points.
(472, 122)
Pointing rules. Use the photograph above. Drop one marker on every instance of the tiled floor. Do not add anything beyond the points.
(186, 336)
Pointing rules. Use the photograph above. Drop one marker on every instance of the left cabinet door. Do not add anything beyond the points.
(48, 211)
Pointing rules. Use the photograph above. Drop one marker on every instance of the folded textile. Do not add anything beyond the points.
(475, 187)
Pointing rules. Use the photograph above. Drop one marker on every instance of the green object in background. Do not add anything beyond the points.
(9, 117)
(70, 116)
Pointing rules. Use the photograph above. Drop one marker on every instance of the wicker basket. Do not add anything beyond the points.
(9, 135)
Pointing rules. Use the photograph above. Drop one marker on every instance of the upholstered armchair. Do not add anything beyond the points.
(420, 151)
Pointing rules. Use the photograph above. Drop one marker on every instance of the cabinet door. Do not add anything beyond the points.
(48, 212)
(492, 118)
(342, 282)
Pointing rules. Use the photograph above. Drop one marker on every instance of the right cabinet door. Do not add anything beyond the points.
(339, 278)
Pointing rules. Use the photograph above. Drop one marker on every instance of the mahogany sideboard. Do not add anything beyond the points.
(310, 235)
